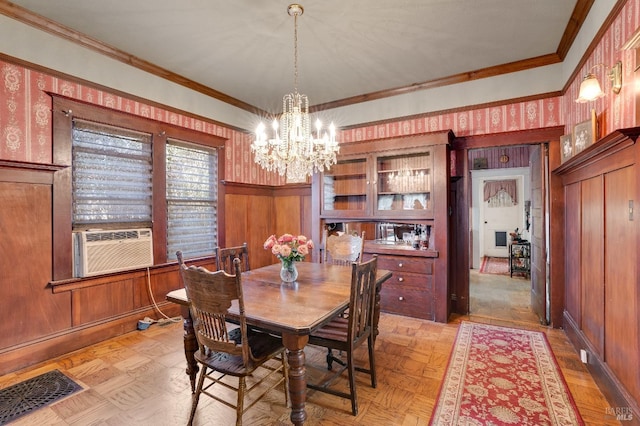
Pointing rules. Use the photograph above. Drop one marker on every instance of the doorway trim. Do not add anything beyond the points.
(459, 285)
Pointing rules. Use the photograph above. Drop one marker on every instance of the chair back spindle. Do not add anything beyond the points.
(226, 255)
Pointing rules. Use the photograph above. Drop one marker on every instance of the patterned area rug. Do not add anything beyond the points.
(495, 265)
(503, 376)
(25, 397)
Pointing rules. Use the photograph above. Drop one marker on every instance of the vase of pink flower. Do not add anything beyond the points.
(289, 249)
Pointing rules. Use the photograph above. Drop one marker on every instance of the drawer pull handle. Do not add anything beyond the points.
(400, 279)
(401, 298)
(399, 265)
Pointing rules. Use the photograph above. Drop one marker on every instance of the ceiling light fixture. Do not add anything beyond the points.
(294, 149)
(590, 89)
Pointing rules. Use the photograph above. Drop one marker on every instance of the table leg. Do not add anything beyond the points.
(190, 345)
(297, 375)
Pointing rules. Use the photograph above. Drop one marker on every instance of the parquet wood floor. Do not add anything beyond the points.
(138, 378)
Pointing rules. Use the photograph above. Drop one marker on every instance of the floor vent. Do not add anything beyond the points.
(22, 398)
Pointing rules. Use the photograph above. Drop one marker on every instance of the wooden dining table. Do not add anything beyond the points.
(293, 310)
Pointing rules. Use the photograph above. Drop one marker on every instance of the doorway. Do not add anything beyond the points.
(499, 195)
(497, 212)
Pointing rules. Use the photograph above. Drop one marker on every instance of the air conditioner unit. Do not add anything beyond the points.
(103, 252)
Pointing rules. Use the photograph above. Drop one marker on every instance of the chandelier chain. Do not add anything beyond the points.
(295, 52)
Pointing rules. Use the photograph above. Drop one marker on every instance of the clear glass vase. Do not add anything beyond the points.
(288, 272)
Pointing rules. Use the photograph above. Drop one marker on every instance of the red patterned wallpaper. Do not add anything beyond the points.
(25, 110)
(613, 111)
(505, 118)
(25, 122)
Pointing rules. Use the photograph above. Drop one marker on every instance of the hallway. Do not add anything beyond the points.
(500, 298)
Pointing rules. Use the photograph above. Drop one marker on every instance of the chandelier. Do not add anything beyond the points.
(294, 149)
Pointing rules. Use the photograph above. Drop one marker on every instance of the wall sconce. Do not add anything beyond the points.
(590, 89)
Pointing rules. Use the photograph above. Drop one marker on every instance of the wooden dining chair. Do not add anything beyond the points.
(225, 257)
(224, 349)
(343, 249)
(347, 333)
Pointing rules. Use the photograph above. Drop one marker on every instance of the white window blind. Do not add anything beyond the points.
(112, 175)
(192, 199)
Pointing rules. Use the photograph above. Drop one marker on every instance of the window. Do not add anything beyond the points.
(112, 174)
(192, 196)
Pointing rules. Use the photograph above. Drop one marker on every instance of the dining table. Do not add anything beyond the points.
(291, 310)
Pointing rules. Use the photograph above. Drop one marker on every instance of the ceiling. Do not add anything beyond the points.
(241, 51)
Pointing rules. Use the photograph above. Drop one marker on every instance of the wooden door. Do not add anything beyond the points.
(459, 249)
(537, 164)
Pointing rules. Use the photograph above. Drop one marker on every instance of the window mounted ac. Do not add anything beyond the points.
(103, 252)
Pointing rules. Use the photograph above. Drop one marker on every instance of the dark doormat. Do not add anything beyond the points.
(25, 397)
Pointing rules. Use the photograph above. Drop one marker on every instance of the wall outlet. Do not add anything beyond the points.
(584, 356)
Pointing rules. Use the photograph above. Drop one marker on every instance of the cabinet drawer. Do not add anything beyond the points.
(419, 282)
(409, 300)
(418, 265)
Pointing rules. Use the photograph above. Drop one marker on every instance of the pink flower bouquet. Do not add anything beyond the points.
(289, 248)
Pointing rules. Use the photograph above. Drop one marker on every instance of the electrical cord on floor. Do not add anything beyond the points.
(147, 321)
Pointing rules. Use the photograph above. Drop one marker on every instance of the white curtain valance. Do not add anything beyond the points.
(493, 187)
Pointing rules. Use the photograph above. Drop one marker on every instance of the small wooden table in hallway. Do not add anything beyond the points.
(292, 310)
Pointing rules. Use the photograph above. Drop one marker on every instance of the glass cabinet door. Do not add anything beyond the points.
(345, 187)
(404, 185)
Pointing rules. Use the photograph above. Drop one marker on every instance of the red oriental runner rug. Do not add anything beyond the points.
(494, 265)
(503, 376)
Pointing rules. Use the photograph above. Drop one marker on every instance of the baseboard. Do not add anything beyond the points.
(606, 380)
(48, 347)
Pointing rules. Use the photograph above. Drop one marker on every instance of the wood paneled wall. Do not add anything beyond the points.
(253, 213)
(602, 289)
(45, 318)
(29, 309)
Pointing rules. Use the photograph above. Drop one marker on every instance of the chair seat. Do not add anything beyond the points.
(263, 346)
(336, 330)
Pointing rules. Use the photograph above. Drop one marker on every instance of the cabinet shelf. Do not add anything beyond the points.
(413, 171)
(350, 194)
(345, 175)
(403, 192)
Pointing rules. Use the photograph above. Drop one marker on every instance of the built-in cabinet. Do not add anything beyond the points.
(397, 190)
(602, 296)
(388, 186)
